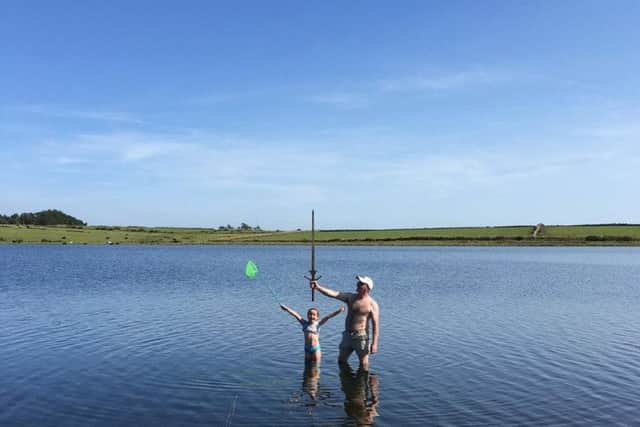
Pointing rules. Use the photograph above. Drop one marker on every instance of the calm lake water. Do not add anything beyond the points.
(134, 335)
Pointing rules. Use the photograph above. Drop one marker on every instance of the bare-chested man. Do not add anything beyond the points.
(362, 308)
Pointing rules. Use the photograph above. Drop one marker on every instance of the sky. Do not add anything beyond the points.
(375, 114)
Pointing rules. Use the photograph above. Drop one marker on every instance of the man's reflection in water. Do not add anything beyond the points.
(361, 394)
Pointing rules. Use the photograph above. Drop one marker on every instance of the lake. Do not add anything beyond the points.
(178, 336)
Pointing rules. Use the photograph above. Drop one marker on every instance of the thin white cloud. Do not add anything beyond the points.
(209, 163)
(68, 113)
(340, 100)
(119, 147)
(612, 131)
(355, 132)
(454, 80)
(214, 97)
(459, 171)
(149, 150)
(64, 160)
(224, 97)
(203, 159)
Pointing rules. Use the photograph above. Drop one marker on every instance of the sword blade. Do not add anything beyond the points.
(313, 244)
(313, 253)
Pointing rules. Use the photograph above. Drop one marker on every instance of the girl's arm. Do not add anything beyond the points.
(329, 316)
(291, 312)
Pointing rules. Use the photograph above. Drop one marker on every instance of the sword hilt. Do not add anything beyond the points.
(311, 279)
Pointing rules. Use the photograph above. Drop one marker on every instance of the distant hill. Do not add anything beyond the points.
(48, 217)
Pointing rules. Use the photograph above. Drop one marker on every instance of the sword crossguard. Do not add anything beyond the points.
(313, 291)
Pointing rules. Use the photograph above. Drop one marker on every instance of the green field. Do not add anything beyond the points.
(594, 231)
(628, 235)
(407, 235)
(116, 235)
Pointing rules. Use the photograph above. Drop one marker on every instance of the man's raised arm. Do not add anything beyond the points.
(326, 291)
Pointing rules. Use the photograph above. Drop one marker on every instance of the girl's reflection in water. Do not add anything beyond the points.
(311, 380)
(310, 396)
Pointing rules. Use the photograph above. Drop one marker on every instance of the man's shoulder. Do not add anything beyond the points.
(346, 296)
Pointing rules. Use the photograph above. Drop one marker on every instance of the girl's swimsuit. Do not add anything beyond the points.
(312, 328)
(312, 348)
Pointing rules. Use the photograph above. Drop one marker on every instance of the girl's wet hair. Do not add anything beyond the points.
(313, 309)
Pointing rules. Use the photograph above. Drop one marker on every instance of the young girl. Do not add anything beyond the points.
(311, 329)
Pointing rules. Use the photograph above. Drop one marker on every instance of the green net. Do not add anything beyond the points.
(251, 269)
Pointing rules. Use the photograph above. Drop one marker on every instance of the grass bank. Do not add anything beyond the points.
(559, 235)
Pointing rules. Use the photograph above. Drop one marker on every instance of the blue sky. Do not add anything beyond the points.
(376, 115)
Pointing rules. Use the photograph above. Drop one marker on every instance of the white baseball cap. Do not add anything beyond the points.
(366, 280)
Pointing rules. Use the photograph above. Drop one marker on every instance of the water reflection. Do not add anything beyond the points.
(311, 380)
(361, 391)
(311, 396)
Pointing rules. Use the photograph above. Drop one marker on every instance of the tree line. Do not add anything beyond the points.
(48, 217)
(241, 227)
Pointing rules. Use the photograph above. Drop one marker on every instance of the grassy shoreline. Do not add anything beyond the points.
(522, 235)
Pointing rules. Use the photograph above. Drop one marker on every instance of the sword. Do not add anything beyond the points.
(313, 271)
